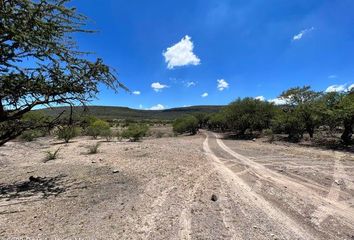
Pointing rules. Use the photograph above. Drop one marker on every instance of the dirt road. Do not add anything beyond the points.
(163, 188)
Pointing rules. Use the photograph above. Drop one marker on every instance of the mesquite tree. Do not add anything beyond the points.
(40, 63)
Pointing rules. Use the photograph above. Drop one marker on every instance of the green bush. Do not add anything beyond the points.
(217, 122)
(67, 133)
(31, 135)
(289, 123)
(98, 128)
(135, 132)
(107, 134)
(249, 114)
(188, 124)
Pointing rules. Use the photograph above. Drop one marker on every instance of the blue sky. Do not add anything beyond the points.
(209, 52)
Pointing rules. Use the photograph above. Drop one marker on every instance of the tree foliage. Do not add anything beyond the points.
(98, 128)
(304, 102)
(248, 113)
(187, 124)
(40, 63)
(135, 132)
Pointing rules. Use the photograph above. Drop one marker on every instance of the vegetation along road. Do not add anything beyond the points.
(196, 187)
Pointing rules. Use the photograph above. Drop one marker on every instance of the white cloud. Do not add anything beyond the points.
(332, 76)
(158, 86)
(157, 107)
(278, 101)
(204, 95)
(141, 106)
(351, 87)
(302, 33)
(190, 84)
(181, 54)
(336, 88)
(222, 84)
(260, 98)
(136, 92)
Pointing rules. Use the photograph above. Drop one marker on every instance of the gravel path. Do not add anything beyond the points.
(200, 187)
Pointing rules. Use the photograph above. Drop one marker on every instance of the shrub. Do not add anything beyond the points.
(135, 132)
(98, 128)
(119, 136)
(52, 155)
(269, 134)
(93, 149)
(67, 132)
(30, 135)
(249, 113)
(188, 124)
(289, 123)
(107, 133)
(217, 122)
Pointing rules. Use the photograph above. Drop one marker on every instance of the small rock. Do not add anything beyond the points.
(115, 171)
(214, 198)
(255, 227)
(254, 139)
(93, 162)
(337, 182)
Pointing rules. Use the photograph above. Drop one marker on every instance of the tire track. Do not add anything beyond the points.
(340, 209)
(241, 191)
(185, 217)
(339, 176)
(148, 223)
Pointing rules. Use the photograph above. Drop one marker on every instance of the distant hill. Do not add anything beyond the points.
(109, 113)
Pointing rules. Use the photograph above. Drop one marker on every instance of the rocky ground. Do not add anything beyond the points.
(200, 187)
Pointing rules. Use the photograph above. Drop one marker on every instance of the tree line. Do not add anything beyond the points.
(304, 111)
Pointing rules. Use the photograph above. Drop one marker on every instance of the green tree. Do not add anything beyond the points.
(98, 128)
(346, 112)
(202, 119)
(40, 63)
(67, 132)
(305, 102)
(217, 122)
(187, 124)
(289, 123)
(329, 110)
(248, 113)
(135, 132)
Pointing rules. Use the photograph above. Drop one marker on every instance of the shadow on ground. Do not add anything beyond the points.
(44, 186)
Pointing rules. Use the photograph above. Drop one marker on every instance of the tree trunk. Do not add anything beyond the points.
(310, 131)
(348, 131)
(2, 112)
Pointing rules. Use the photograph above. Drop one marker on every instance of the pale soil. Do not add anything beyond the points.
(162, 189)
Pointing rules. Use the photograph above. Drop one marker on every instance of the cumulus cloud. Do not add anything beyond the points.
(302, 33)
(190, 84)
(136, 92)
(351, 87)
(204, 95)
(157, 87)
(336, 88)
(141, 106)
(222, 84)
(181, 54)
(157, 107)
(260, 98)
(278, 101)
